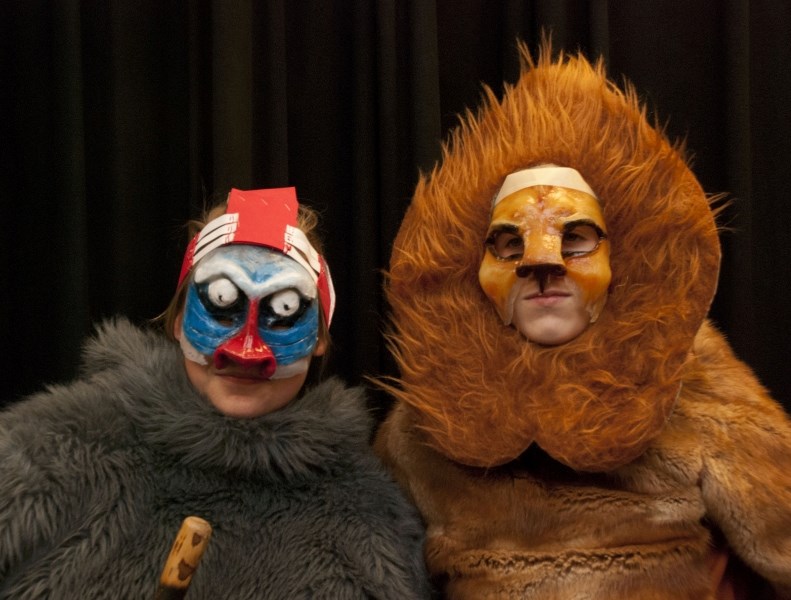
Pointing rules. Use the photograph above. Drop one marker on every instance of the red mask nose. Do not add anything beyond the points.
(247, 349)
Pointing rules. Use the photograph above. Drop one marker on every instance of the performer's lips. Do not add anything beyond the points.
(242, 377)
(547, 297)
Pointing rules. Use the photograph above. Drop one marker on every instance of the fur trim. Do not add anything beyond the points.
(96, 475)
(716, 481)
(322, 428)
(596, 402)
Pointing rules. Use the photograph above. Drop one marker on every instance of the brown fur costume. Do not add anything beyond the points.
(590, 469)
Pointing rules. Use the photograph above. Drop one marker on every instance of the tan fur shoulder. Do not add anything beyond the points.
(744, 444)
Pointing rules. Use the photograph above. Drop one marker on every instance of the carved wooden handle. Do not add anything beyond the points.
(188, 547)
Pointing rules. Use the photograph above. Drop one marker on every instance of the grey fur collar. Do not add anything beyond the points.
(316, 432)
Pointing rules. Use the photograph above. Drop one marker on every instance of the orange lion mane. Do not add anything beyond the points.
(479, 392)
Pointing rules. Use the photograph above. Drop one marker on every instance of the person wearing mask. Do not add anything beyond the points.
(223, 418)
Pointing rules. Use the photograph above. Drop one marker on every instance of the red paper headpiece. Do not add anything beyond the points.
(264, 218)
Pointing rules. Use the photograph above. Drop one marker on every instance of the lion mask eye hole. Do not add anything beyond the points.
(580, 239)
(506, 244)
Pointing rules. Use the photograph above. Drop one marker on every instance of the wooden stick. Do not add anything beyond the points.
(187, 550)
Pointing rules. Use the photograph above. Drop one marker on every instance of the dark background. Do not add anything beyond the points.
(118, 118)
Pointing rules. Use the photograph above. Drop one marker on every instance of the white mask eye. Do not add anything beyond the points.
(285, 303)
(222, 293)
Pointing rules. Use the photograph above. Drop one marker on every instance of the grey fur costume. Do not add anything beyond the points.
(96, 477)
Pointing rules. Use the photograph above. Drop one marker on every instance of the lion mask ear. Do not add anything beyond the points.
(477, 389)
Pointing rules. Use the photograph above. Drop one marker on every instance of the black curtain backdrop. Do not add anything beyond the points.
(119, 118)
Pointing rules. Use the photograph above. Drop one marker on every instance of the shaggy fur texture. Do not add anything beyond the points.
(665, 258)
(96, 476)
(630, 463)
(535, 529)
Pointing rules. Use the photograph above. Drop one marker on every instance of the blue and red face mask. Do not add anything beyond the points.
(255, 288)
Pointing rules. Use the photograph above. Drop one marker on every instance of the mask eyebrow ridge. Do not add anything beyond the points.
(576, 222)
(502, 227)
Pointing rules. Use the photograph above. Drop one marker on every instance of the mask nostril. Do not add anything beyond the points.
(541, 271)
(268, 367)
(220, 360)
(557, 270)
